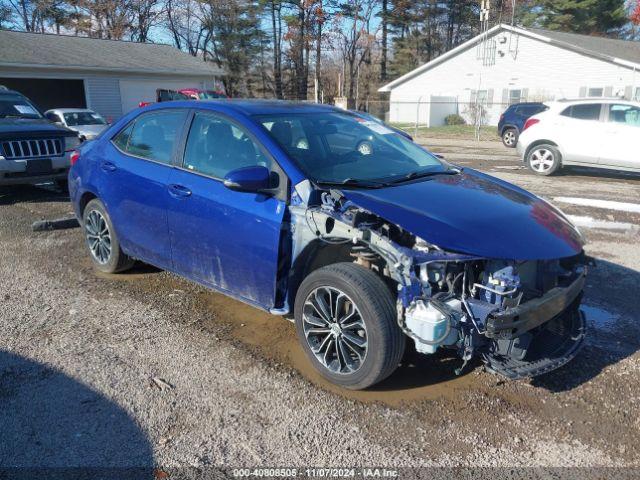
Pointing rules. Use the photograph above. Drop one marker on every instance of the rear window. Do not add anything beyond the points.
(152, 135)
(585, 111)
(530, 110)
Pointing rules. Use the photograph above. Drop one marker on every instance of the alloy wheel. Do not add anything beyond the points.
(98, 236)
(509, 138)
(334, 330)
(542, 160)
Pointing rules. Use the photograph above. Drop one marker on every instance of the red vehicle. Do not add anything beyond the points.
(198, 94)
(165, 95)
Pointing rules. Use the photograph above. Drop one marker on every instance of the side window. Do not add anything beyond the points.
(121, 140)
(153, 135)
(626, 114)
(216, 146)
(584, 111)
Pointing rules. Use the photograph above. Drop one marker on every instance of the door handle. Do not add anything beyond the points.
(108, 166)
(179, 191)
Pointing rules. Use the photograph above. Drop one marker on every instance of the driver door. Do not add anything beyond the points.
(219, 237)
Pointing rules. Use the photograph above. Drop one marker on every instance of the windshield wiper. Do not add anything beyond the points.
(414, 175)
(354, 182)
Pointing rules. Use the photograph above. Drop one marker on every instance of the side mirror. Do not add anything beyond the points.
(250, 179)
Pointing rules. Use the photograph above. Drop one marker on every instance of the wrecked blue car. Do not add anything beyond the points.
(368, 241)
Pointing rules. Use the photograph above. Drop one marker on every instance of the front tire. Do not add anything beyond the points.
(102, 240)
(544, 159)
(510, 138)
(346, 322)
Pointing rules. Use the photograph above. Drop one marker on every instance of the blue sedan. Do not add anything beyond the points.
(366, 239)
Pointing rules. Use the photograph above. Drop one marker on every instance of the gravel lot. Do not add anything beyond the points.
(145, 369)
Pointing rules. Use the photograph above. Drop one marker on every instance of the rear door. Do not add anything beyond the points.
(579, 133)
(134, 175)
(223, 238)
(622, 132)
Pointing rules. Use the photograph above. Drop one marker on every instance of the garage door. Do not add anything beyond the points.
(133, 92)
(49, 93)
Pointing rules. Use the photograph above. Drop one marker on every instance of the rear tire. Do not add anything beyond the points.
(102, 240)
(510, 138)
(346, 322)
(544, 159)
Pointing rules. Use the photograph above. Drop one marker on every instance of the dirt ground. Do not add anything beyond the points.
(146, 369)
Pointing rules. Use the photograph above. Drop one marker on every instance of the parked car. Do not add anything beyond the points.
(599, 133)
(198, 94)
(165, 95)
(363, 247)
(32, 149)
(513, 119)
(87, 123)
(370, 118)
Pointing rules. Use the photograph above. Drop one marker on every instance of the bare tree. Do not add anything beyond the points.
(146, 15)
(183, 20)
(355, 40)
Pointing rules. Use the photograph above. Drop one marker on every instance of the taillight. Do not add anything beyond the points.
(501, 118)
(75, 156)
(530, 122)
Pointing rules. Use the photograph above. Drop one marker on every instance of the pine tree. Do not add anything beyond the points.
(604, 17)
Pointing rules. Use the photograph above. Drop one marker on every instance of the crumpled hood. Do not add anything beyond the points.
(476, 214)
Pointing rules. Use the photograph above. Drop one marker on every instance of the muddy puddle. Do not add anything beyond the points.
(419, 377)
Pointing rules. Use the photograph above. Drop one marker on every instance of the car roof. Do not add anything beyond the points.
(255, 106)
(69, 110)
(6, 91)
(578, 101)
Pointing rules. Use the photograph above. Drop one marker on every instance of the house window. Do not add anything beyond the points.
(595, 92)
(515, 96)
(636, 95)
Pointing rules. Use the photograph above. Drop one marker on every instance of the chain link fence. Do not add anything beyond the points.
(438, 112)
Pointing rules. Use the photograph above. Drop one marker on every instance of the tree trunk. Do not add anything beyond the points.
(276, 23)
(319, 21)
(383, 56)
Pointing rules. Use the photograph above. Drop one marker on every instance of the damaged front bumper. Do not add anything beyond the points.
(548, 347)
(514, 322)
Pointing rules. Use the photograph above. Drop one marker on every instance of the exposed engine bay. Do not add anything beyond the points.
(521, 318)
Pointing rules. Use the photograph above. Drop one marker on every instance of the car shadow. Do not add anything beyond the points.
(33, 194)
(53, 426)
(613, 332)
(418, 370)
(576, 171)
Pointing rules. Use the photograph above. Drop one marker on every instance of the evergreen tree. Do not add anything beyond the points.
(578, 16)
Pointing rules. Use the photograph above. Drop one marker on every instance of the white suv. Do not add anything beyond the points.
(592, 132)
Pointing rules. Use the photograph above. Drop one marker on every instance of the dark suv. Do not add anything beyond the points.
(32, 149)
(512, 121)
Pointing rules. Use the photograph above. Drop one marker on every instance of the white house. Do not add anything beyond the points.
(109, 76)
(509, 65)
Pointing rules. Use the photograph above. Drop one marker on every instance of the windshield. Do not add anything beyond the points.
(17, 106)
(336, 147)
(83, 118)
(210, 95)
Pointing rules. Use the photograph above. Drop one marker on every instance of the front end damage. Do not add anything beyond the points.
(521, 318)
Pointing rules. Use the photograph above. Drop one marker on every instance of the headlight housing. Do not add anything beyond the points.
(71, 143)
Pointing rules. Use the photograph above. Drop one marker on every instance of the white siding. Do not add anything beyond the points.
(103, 96)
(543, 71)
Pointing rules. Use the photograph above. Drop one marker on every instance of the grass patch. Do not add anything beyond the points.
(462, 132)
